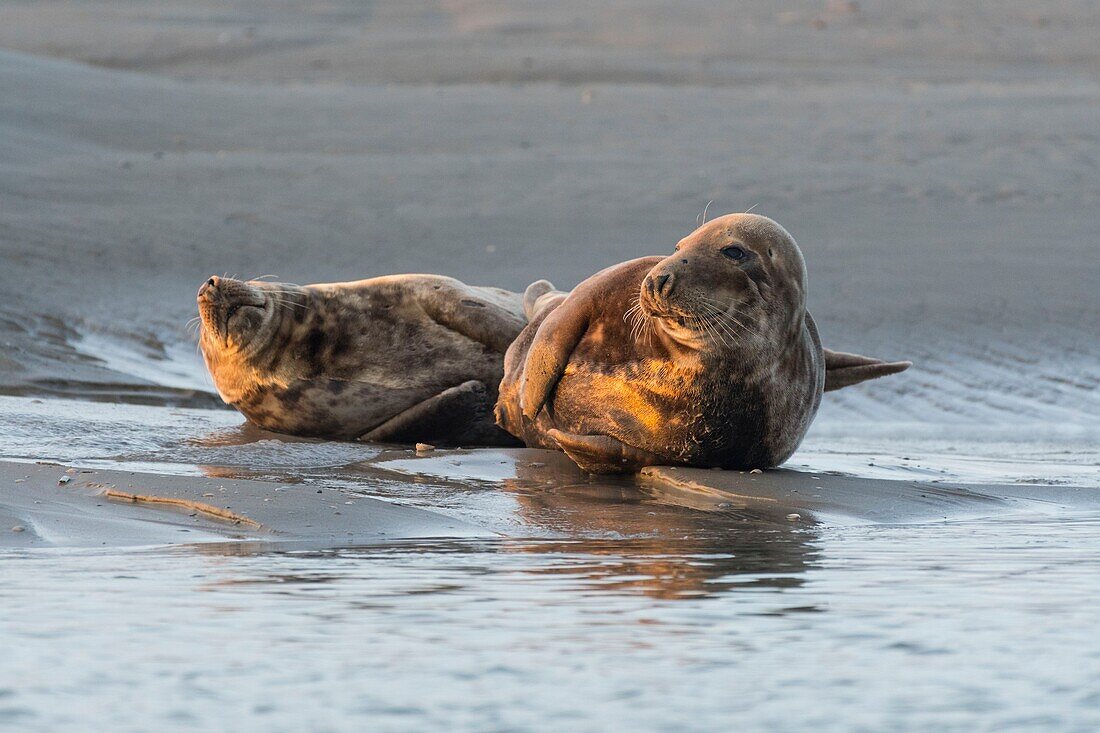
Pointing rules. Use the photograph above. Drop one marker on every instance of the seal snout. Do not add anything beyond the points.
(660, 285)
(222, 298)
(209, 289)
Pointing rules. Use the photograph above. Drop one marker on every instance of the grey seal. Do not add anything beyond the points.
(400, 358)
(707, 357)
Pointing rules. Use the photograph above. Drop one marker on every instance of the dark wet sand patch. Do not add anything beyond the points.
(777, 494)
(55, 505)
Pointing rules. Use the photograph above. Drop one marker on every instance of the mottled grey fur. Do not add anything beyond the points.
(401, 358)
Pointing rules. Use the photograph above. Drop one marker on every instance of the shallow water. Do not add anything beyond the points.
(927, 627)
(601, 606)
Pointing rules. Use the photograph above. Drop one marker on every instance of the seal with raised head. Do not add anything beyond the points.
(401, 358)
(707, 357)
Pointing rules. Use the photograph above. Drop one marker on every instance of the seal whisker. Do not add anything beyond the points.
(635, 326)
(750, 328)
(289, 304)
(645, 327)
(709, 328)
(284, 301)
(281, 291)
(637, 320)
(722, 320)
(730, 317)
(284, 293)
(736, 327)
(628, 314)
(720, 326)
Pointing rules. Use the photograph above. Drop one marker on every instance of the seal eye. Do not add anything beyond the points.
(734, 252)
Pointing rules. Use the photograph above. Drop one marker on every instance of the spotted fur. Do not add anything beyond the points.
(341, 360)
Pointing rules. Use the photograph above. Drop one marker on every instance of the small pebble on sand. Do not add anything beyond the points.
(794, 517)
(19, 528)
(756, 470)
(64, 480)
(424, 447)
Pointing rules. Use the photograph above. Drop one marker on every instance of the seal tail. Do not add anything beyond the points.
(844, 370)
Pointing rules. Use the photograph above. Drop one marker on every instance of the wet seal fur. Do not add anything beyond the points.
(707, 357)
(399, 359)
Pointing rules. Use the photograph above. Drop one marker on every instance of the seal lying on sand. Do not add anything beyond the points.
(706, 358)
(402, 358)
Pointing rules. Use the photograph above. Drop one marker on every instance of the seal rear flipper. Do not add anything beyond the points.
(844, 370)
(538, 296)
(478, 319)
(456, 416)
(604, 454)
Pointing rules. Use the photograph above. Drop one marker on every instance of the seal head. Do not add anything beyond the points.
(736, 283)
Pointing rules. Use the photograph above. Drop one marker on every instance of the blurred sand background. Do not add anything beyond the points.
(938, 162)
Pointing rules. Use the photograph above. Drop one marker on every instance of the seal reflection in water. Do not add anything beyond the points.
(707, 357)
(401, 358)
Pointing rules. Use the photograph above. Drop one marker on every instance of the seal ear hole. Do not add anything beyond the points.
(771, 252)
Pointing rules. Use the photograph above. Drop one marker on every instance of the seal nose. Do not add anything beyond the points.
(659, 285)
(211, 284)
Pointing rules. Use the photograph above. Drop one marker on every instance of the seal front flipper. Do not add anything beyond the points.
(458, 415)
(604, 454)
(844, 370)
(557, 336)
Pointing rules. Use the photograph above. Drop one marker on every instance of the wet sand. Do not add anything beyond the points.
(61, 506)
(53, 505)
